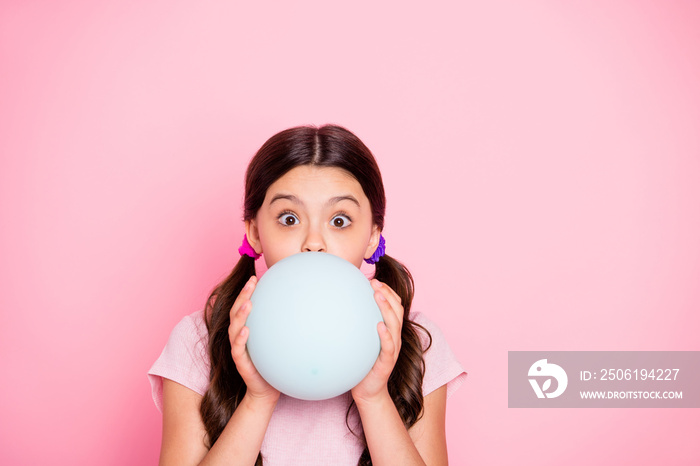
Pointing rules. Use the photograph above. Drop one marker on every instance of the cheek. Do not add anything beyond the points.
(353, 257)
(354, 252)
(358, 262)
(276, 247)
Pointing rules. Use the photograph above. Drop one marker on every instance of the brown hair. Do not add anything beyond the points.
(325, 146)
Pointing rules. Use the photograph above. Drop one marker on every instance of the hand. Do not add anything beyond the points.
(374, 385)
(257, 387)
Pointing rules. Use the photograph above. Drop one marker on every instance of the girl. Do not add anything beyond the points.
(307, 189)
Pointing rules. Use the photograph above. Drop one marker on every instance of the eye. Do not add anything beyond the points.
(341, 221)
(288, 219)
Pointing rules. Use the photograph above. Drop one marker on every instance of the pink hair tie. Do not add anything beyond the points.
(247, 250)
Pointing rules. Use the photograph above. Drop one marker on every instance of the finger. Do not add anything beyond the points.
(240, 355)
(238, 343)
(239, 317)
(235, 317)
(385, 361)
(390, 293)
(245, 294)
(386, 309)
(382, 294)
(391, 296)
(391, 320)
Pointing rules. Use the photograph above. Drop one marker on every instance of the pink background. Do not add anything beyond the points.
(542, 161)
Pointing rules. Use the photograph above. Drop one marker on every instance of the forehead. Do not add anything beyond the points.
(310, 182)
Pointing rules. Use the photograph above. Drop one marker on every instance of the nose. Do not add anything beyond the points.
(314, 242)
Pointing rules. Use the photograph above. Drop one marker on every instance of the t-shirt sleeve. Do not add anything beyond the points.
(184, 359)
(441, 365)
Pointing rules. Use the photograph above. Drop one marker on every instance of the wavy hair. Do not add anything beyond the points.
(325, 146)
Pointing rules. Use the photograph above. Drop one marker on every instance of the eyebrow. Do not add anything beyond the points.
(331, 201)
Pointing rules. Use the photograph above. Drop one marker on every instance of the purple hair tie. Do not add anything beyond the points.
(379, 252)
(247, 250)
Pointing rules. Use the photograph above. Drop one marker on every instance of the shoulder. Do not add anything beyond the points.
(184, 358)
(441, 364)
(192, 327)
(189, 338)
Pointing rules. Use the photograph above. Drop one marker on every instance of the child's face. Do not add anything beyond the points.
(314, 208)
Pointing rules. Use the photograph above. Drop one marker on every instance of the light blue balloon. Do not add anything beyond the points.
(313, 326)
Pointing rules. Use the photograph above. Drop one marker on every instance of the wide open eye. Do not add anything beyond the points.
(288, 219)
(341, 221)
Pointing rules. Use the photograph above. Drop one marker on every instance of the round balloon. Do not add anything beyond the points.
(313, 326)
